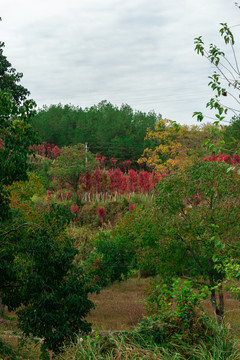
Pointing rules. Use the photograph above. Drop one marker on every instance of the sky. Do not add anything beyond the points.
(135, 52)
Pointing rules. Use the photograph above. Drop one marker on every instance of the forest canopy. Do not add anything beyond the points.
(114, 132)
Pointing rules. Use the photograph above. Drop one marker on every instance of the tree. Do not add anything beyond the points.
(199, 225)
(37, 271)
(165, 152)
(192, 230)
(231, 136)
(9, 79)
(225, 79)
(73, 163)
(57, 124)
(16, 136)
(39, 279)
(114, 132)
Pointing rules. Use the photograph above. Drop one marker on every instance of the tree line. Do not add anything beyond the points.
(114, 132)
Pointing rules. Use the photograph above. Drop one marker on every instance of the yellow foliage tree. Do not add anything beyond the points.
(166, 151)
(172, 146)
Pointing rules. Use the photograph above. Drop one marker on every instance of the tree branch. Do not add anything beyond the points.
(20, 226)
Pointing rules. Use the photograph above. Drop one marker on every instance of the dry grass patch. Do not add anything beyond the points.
(120, 306)
(232, 313)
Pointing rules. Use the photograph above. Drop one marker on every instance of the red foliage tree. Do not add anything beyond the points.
(101, 213)
(234, 160)
(126, 165)
(113, 162)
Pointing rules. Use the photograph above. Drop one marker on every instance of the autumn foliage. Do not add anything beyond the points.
(111, 182)
(165, 151)
(50, 151)
(233, 160)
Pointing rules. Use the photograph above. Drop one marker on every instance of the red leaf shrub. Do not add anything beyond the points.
(113, 162)
(235, 159)
(50, 151)
(131, 207)
(75, 209)
(101, 213)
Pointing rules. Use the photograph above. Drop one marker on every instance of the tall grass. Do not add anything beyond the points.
(132, 345)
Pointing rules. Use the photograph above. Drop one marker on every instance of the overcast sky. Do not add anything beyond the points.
(137, 52)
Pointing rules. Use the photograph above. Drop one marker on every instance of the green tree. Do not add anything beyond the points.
(73, 162)
(9, 79)
(16, 135)
(39, 279)
(231, 136)
(37, 271)
(225, 79)
(57, 124)
(192, 230)
(199, 225)
(113, 132)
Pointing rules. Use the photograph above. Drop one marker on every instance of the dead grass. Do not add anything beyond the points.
(232, 313)
(11, 335)
(120, 306)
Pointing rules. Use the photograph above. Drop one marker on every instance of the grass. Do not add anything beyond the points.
(232, 313)
(120, 307)
(133, 346)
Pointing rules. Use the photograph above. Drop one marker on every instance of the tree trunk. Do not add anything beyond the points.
(1, 305)
(218, 309)
(139, 273)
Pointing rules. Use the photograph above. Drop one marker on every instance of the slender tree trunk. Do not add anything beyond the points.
(139, 273)
(218, 309)
(214, 300)
(1, 305)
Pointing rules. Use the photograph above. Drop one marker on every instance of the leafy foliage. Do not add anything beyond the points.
(115, 132)
(200, 209)
(224, 81)
(167, 152)
(9, 80)
(38, 277)
(171, 146)
(231, 136)
(37, 271)
(112, 259)
(193, 227)
(16, 136)
(73, 162)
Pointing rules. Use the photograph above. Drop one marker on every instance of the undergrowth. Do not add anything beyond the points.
(149, 341)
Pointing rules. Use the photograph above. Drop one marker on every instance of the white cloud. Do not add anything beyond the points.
(138, 52)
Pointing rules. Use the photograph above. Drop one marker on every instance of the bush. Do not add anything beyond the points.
(112, 259)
